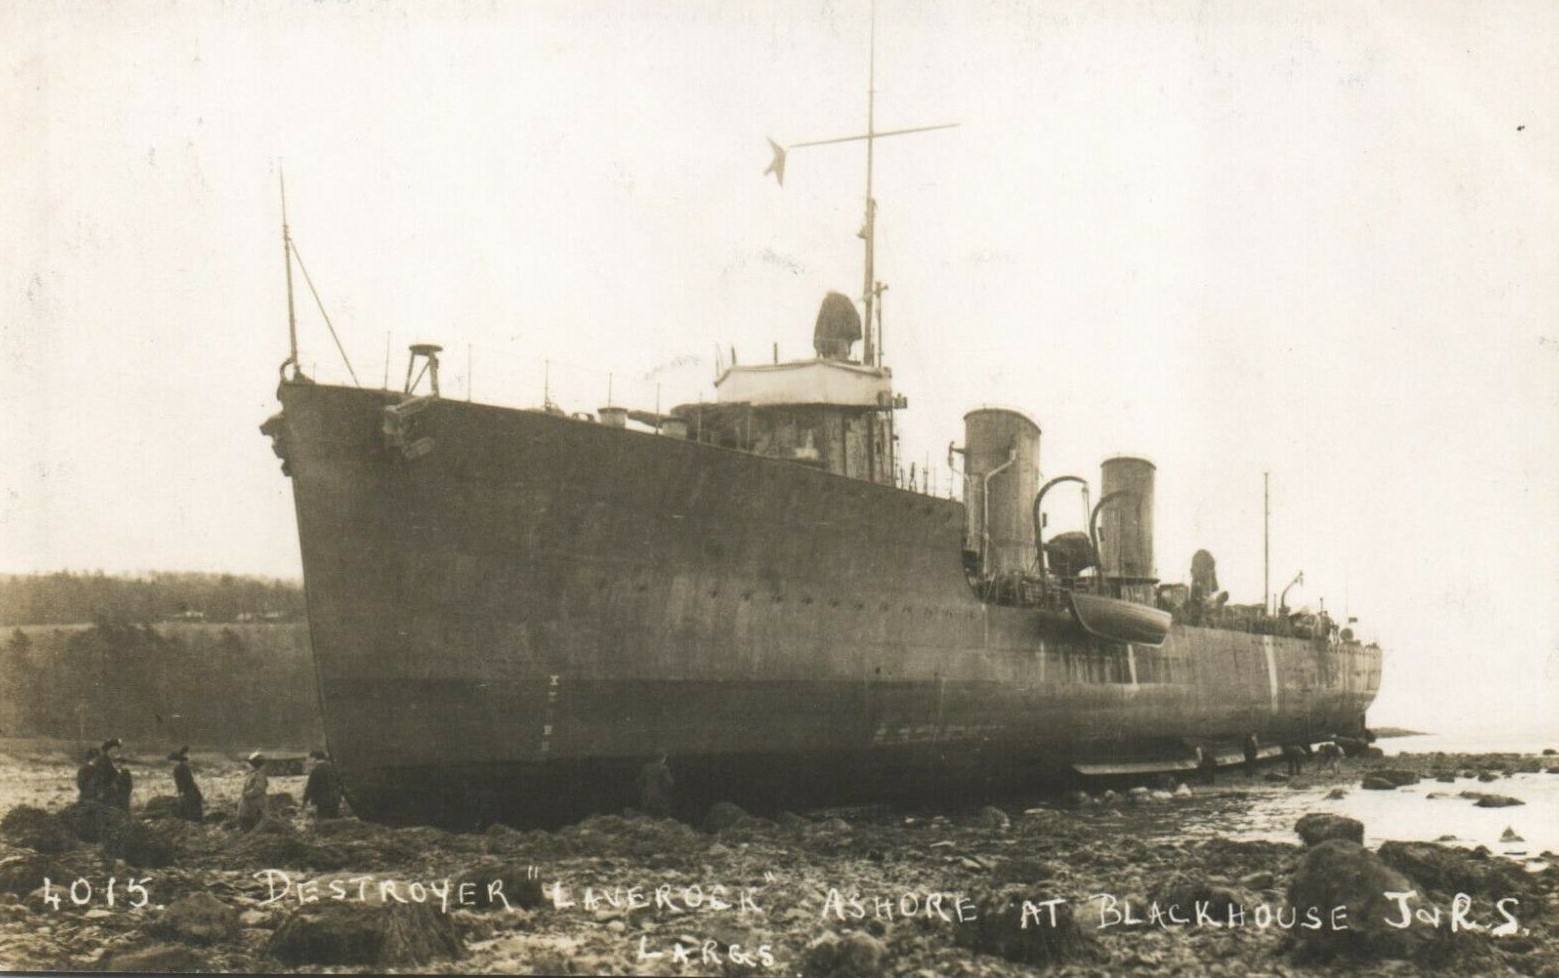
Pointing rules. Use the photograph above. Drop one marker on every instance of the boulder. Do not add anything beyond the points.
(139, 845)
(21, 874)
(1259, 880)
(1396, 776)
(496, 884)
(37, 829)
(1487, 776)
(1076, 799)
(90, 821)
(1182, 790)
(1510, 835)
(1452, 869)
(834, 824)
(158, 959)
(1339, 873)
(1161, 796)
(1372, 783)
(1549, 752)
(1498, 801)
(197, 918)
(1317, 827)
(853, 955)
(160, 806)
(724, 815)
(994, 818)
(1186, 891)
(1336, 793)
(356, 934)
(1001, 927)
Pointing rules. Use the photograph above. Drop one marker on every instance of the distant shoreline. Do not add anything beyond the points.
(1384, 732)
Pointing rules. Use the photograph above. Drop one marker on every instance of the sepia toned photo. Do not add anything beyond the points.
(827, 489)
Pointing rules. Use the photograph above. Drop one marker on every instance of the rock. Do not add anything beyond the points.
(88, 820)
(724, 815)
(854, 955)
(1259, 880)
(139, 845)
(792, 821)
(37, 830)
(1138, 794)
(1025, 870)
(1451, 869)
(1186, 892)
(158, 958)
(1498, 801)
(496, 884)
(160, 806)
(999, 929)
(1161, 796)
(1339, 873)
(332, 933)
(1336, 793)
(1076, 799)
(1182, 790)
(1373, 783)
(21, 874)
(281, 803)
(834, 824)
(1549, 752)
(1277, 777)
(1446, 778)
(1397, 776)
(994, 818)
(1109, 796)
(1373, 753)
(1487, 776)
(1446, 838)
(1317, 827)
(271, 825)
(1509, 835)
(197, 918)
(1551, 770)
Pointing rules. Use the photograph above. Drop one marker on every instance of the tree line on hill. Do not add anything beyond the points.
(161, 686)
(66, 598)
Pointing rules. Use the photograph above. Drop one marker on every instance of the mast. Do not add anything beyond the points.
(286, 247)
(869, 227)
(1266, 543)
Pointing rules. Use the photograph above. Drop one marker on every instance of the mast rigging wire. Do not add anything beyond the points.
(315, 293)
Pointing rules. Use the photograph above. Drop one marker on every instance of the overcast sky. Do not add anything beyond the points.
(1319, 240)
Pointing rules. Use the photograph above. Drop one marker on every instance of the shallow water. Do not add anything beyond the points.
(1423, 812)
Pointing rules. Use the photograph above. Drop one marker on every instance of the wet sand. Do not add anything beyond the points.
(858, 891)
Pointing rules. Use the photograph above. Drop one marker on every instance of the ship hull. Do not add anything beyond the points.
(510, 618)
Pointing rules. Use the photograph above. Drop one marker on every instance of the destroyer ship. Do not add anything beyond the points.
(512, 610)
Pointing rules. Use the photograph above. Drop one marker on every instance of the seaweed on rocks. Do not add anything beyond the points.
(1009, 926)
(365, 934)
(37, 829)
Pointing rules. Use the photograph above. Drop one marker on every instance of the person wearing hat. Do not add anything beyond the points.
(192, 803)
(105, 774)
(251, 804)
(323, 788)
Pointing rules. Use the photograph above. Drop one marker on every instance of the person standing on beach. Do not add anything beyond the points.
(1207, 763)
(100, 787)
(251, 803)
(655, 783)
(323, 788)
(86, 778)
(123, 787)
(1294, 754)
(191, 802)
(1252, 751)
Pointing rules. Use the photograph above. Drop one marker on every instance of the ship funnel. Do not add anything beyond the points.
(1126, 524)
(1001, 459)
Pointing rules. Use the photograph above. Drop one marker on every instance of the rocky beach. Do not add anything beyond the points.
(1139, 879)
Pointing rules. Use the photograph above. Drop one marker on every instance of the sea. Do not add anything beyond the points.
(1431, 810)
